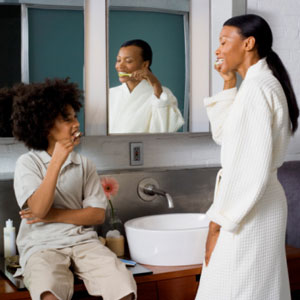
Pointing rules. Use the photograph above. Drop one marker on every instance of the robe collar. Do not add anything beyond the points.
(257, 69)
(141, 88)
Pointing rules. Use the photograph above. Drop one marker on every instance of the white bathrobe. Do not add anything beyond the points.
(141, 111)
(253, 128)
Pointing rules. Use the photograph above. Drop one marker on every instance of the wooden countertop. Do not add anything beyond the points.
(161, 273)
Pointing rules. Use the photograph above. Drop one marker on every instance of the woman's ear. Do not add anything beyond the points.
(250, 43)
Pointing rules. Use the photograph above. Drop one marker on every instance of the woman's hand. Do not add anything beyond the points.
(150, 77)
(229, 77)
(212, 238)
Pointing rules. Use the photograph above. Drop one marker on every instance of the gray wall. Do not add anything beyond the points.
(191, 190)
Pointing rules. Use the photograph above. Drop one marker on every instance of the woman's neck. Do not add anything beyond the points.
(132, 84)
(248, 62)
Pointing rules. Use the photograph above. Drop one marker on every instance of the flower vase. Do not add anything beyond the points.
(115, 243)
(112, 222)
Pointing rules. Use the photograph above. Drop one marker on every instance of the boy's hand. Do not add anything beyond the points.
(61, 150)
(31, 218)
(28, 215)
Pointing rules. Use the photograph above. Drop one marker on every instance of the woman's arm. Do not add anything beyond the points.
(211, 241)
(151, 78)
(247, 157)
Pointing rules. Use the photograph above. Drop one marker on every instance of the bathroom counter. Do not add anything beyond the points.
(165, 283)
(146, 283)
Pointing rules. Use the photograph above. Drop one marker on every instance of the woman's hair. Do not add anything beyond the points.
(256, 26)
(36, 106)
(145, 47)
(6, 100)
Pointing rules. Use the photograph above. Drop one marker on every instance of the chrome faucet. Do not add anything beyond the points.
(148, 189)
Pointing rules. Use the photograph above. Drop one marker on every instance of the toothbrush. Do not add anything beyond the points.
(123, 74)
(129, 263)
(77, 134)
(219, 61)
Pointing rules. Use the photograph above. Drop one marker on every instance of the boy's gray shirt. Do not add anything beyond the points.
(78, 186)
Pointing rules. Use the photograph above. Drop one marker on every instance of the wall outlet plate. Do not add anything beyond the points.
(136, 154)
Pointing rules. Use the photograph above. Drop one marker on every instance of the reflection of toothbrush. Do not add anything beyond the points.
(219, 61)
(123, 74)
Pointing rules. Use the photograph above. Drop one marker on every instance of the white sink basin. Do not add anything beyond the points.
(168, 240)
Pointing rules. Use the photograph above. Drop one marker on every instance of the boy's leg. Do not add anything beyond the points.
(102, 272)
(48, 271)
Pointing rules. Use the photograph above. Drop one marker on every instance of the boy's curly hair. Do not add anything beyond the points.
(36, 107)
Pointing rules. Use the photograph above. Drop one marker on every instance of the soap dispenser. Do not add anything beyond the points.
(9, 239)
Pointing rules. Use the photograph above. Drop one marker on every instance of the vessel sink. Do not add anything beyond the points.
(168, 239)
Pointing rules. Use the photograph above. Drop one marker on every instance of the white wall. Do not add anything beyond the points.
(284, 19)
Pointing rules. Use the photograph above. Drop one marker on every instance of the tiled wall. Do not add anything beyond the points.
(284, 19)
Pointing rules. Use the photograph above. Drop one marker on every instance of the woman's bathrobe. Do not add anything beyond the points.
(252, 127)
(141, 111)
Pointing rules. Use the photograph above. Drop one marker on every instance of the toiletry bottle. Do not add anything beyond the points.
(9, 239)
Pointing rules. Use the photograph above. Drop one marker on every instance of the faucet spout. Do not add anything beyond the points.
(170, 201)
(150, 189)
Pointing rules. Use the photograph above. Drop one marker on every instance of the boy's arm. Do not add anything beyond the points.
(41, 200)
(85, 216)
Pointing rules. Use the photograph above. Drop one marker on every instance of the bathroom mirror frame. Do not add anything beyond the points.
(205, 17)
(173, 7)
(40, 4)
(96, 84)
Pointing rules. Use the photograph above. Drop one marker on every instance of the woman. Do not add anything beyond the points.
(245, 249)
(140, 104)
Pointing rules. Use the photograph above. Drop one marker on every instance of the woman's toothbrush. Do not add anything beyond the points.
(124, 74)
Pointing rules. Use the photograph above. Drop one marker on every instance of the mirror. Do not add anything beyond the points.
(144, 98)
(41, 39)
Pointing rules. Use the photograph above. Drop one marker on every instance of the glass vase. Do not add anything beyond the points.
(112, 222)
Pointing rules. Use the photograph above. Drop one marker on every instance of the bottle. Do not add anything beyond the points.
(9, 239)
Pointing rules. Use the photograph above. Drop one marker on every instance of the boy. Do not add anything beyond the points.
(60, 197)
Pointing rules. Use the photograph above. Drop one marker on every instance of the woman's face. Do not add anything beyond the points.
(130, 59)
(65, 127)
(231, 49)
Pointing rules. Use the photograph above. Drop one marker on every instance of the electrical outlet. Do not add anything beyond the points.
(136, 154)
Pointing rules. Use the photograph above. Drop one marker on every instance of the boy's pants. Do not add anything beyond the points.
(102, 272)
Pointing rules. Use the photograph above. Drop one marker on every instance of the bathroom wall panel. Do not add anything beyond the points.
(192, 191)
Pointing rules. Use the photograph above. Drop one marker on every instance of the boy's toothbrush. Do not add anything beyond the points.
(219, 61)
(77, 134)
(123, 74)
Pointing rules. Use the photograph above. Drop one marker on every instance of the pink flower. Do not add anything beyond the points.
(110, 186)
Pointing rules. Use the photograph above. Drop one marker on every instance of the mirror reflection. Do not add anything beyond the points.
(54, 48)
(147, 68)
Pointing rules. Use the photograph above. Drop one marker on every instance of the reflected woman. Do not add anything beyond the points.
(140, 104)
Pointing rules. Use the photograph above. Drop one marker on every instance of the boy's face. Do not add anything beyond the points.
(65, 128)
